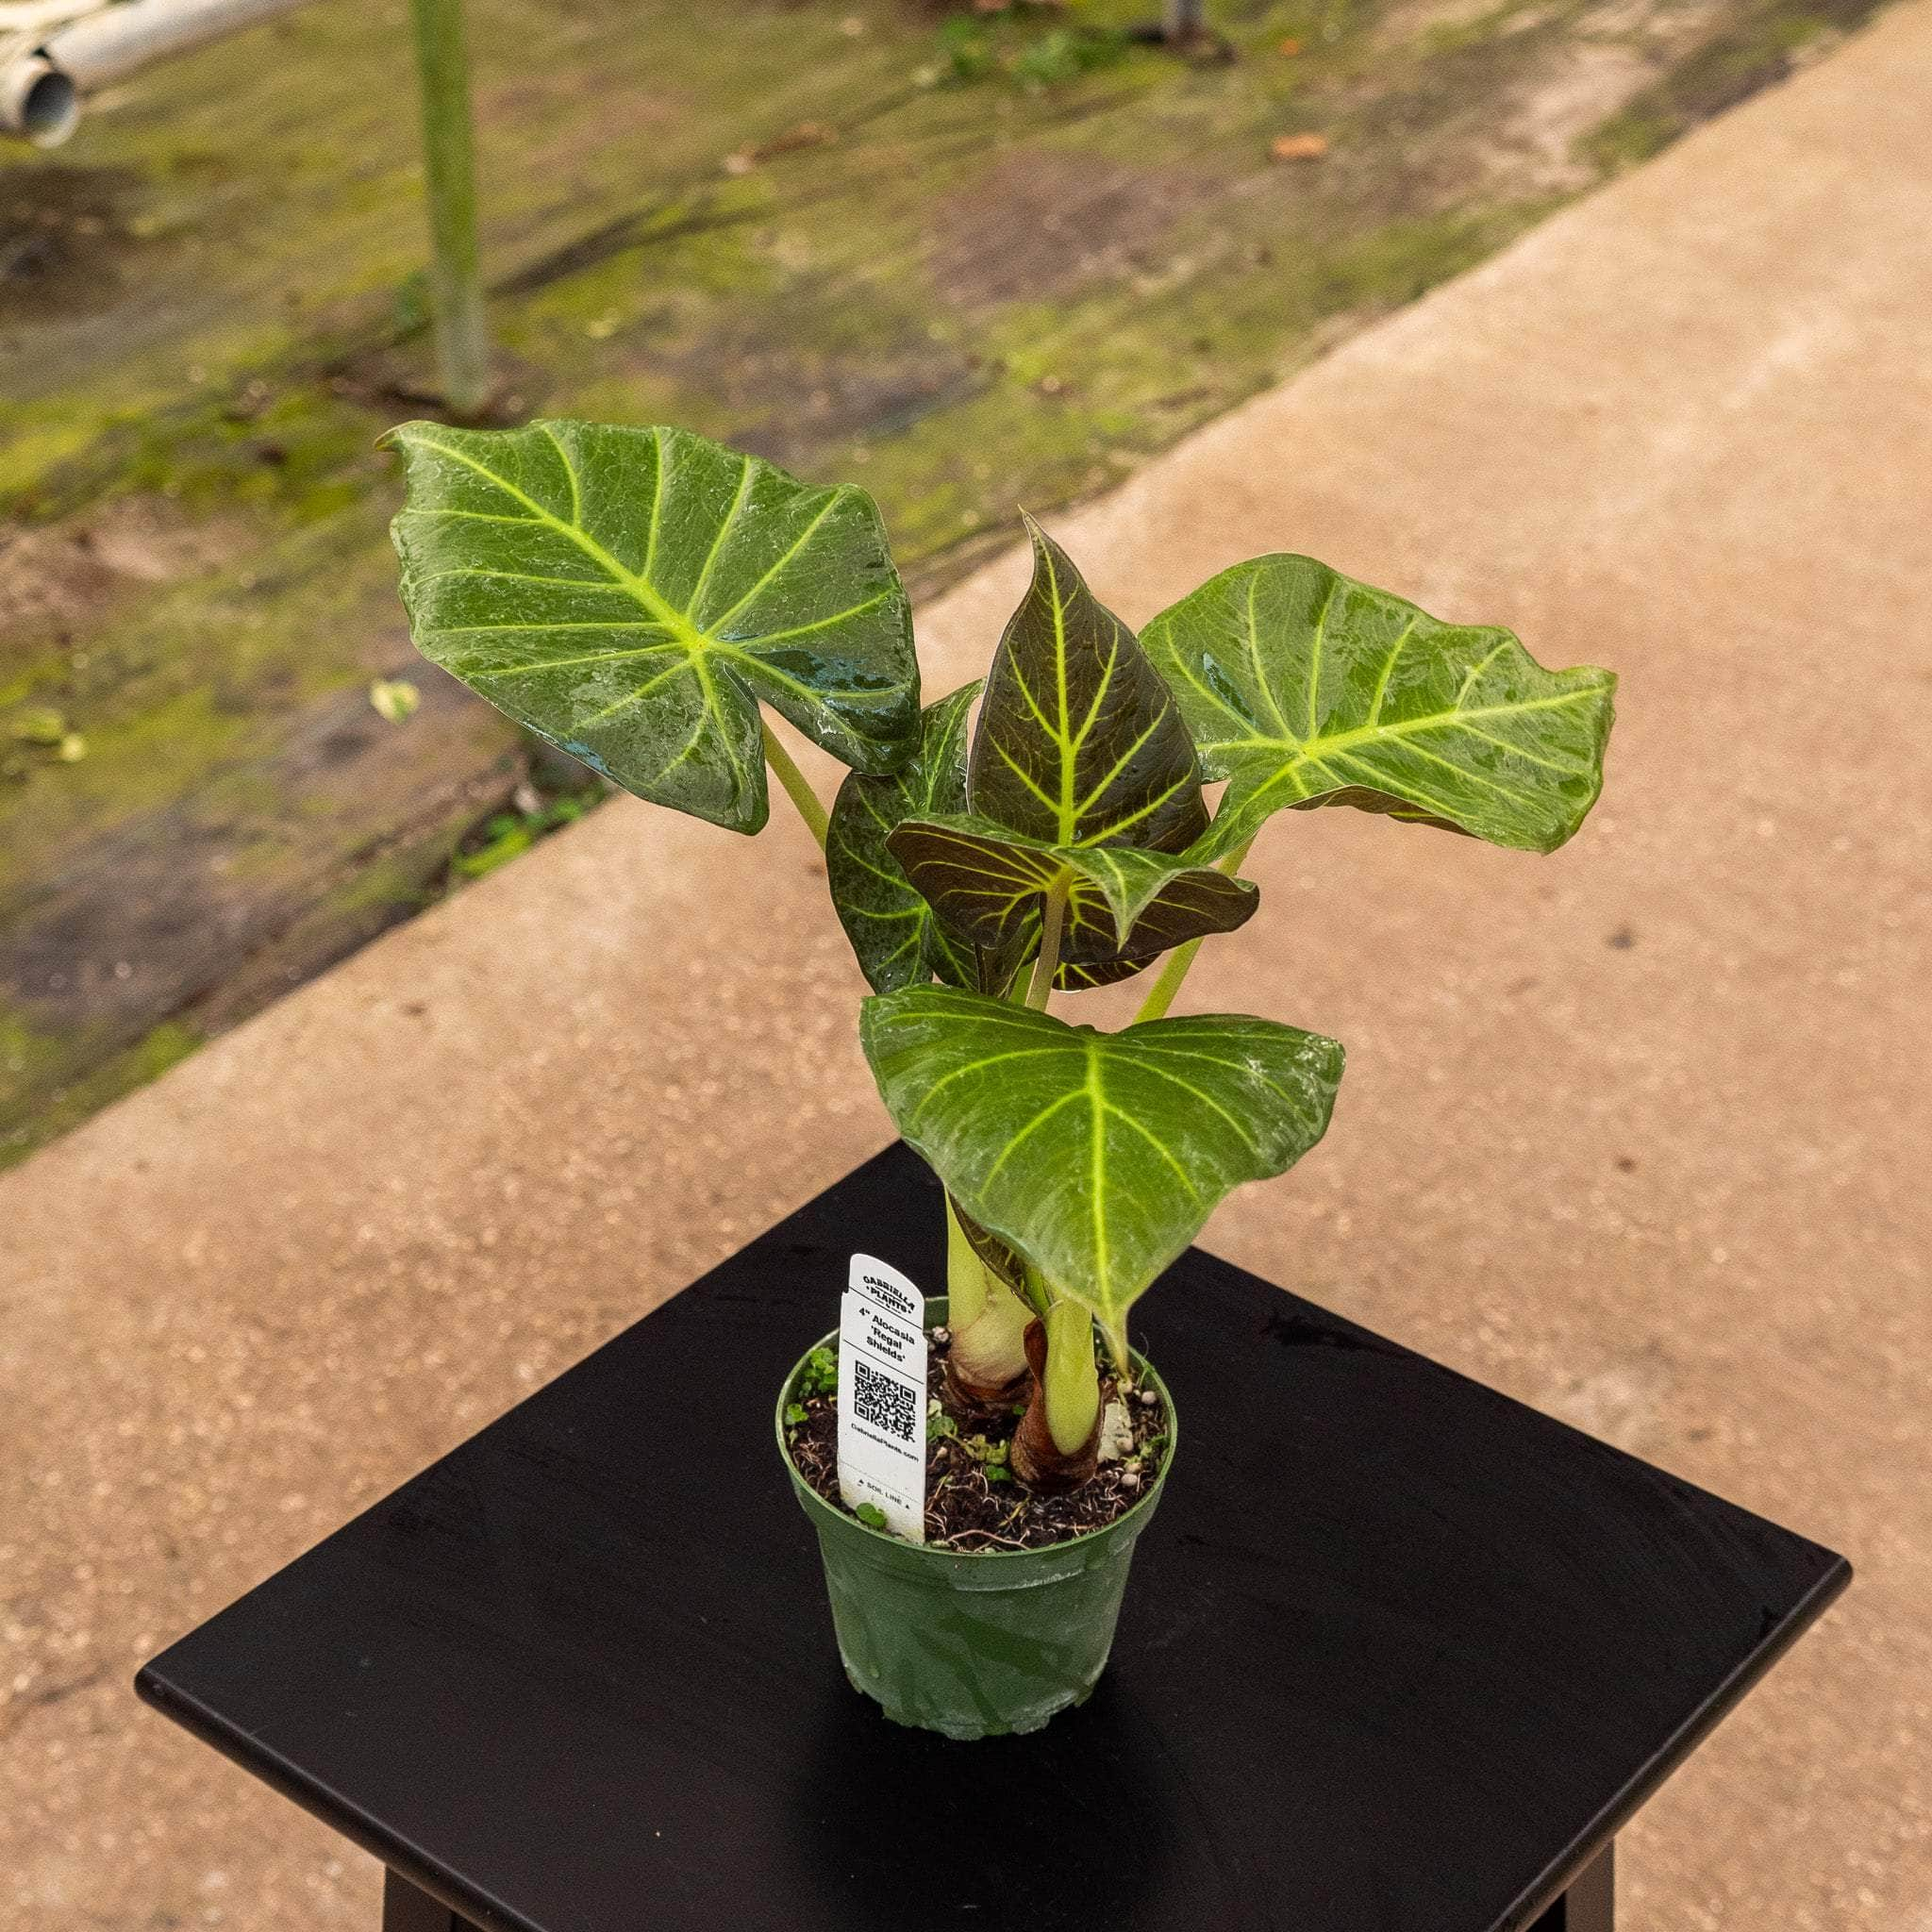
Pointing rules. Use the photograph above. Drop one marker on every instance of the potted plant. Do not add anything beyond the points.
(638, 597)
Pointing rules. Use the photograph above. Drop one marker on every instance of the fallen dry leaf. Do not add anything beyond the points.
(807, 134)
(1299, 147)
(1291, 47)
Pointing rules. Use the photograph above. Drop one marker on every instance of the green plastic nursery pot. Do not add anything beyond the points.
(968, 1644)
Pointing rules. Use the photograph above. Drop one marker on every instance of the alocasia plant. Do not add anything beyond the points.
(637, 595)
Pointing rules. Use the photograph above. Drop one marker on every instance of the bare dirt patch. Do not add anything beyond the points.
(792, 391)
(1413, 19)
(64, 234)
(58, 580)
(1040, 224)
(1581, 86)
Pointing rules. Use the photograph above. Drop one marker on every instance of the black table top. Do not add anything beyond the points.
(1399, 1654)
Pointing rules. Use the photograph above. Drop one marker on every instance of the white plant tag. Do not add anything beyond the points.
(882, 1396)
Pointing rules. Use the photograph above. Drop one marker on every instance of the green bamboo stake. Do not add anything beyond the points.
(455, 278)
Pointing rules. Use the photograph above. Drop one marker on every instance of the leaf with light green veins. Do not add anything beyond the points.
(1098, 1155)
(1080, 741)
(632, 595)
(1303, 688)
(988, 885)
(894, 932)
(1083, 976)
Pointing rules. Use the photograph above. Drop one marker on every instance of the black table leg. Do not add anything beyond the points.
(407, 1907)
(1589, 1905)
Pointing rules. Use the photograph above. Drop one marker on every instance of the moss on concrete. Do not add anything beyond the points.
(51, 1083)
(1754, 46)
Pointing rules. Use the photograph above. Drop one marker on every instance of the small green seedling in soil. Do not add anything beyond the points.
(819, 1374)
(648, 601)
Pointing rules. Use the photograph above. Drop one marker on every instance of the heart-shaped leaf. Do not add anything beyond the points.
(632, 594)
(988, 886)
(1080, 741)
(893, 930)
(1304, 688)
(1098, 1155)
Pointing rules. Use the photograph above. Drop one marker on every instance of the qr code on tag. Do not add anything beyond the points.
(884, 1400)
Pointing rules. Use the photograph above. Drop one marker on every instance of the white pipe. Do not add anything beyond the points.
(37, 101)
(118, 40)
(43, 78)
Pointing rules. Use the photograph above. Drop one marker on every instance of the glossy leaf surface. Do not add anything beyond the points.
(633, 594)
(1303, 688)
(893, 929)
(1098, 1155)
(988, 886)
(1080, 741)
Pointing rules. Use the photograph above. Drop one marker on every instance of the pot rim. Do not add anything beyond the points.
(935, 1314)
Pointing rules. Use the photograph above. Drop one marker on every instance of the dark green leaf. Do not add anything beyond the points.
(1098, 1155)
(988, 885)
(1304, 688)
(893, 929)
(1083, 976)
(1001, 972)
(633, 594)
(1080, 740)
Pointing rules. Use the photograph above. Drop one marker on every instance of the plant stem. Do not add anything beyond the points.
(1166, 981)
(1072, 1382)
(1048, 963)
(456, 279)
(1035, 1292)
(802, 795)
(965, 1275)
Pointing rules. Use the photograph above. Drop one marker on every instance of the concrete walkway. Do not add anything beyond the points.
(1636, 1132)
